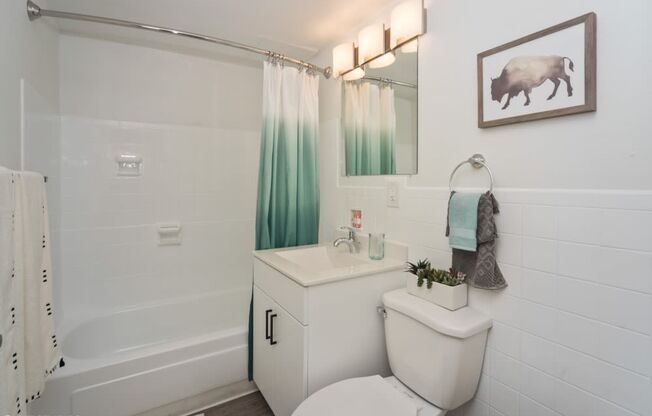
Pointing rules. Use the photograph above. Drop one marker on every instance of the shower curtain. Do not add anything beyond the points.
(287, 208)
(369, 129)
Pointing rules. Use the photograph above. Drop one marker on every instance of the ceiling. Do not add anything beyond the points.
(297, 28)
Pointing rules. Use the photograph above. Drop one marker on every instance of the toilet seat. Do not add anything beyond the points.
(366, 396)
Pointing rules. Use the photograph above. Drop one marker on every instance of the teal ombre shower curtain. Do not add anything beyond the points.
(287, 209)
(387, 131)
(369, 123)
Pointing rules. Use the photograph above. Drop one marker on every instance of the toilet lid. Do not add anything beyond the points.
(363, 396)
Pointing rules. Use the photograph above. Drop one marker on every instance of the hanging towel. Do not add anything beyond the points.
(463, 220)
(481, 267)
(8, 330)
(29, 350)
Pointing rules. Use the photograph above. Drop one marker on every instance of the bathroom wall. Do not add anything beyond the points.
(28, 51)
(571, 333)
(195, 122)
(29, 107)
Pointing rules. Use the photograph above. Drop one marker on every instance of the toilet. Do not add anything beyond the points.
(435, 356)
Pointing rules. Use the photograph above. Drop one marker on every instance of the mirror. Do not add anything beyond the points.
(379, 119)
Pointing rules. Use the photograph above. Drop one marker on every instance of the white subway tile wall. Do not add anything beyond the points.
(111, 256)
(192, 122)
(572, 332)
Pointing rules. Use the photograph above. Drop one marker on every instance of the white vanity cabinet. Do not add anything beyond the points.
(313, 329)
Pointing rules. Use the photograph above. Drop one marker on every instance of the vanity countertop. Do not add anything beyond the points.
(322, 263)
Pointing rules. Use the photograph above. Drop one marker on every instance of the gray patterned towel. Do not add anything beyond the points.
(481, 267)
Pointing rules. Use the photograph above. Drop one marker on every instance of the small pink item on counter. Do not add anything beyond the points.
(356, 218)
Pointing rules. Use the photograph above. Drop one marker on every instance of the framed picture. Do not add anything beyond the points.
(549, 73)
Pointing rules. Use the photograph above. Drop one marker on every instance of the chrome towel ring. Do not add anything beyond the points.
(477, 161)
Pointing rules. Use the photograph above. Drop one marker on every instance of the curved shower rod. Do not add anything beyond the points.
(390, 81)
(34, 12)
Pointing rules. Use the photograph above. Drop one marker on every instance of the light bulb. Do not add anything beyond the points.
(343, 58)
(353, 75)
(406, 22)
(383, 60)
(371, 42)
(410, 47)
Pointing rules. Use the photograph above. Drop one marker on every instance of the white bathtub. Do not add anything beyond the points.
(139, 359)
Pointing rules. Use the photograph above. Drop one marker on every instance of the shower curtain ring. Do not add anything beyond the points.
(274, 57)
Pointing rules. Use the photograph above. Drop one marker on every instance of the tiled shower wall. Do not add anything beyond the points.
(111, 256)
(571, 333)
(195, 123)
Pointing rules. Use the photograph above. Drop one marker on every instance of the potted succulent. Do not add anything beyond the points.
(442, 287)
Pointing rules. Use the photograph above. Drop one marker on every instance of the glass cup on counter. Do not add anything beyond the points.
(376, 246)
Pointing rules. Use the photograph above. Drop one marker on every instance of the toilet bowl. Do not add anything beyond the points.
(367, 396)
(435, 356)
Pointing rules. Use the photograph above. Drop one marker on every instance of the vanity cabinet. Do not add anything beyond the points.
(307, 336)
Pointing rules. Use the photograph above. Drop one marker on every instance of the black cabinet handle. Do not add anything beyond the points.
(267, 312)
(271, 327)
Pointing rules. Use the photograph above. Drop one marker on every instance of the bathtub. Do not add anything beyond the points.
(135, 360)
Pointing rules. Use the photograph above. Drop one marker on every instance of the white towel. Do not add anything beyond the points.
(29, 352)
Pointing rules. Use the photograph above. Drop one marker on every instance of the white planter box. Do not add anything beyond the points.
(449, 297)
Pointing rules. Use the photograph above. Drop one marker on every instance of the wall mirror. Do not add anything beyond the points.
(379, 119)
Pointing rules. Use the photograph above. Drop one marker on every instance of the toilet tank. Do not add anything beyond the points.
(435, 352)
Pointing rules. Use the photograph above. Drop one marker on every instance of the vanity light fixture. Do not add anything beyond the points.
(376, 44)
(343, 58)
(372, 42)
(407, 23)
(383, 61)
(344, 62)
(353, 75)
(411, 47)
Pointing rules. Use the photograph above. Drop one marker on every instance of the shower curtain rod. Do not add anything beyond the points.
(390, 81)
(34, 12)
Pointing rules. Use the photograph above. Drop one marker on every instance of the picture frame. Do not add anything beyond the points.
(549, 73)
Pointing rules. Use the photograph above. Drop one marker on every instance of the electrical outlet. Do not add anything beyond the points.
(392, 194)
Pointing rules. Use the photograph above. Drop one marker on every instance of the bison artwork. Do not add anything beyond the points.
(524, 73)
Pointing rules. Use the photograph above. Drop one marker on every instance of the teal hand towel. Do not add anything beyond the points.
(463, 220)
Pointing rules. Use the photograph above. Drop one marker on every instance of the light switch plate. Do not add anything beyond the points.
(392, 194)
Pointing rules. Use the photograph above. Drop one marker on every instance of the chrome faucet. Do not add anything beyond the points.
(352, 240)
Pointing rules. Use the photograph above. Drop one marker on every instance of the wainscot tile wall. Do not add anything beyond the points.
(572, 332)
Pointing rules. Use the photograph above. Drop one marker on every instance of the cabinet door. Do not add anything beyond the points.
(290, 351)
(264, 361)
(280, 369)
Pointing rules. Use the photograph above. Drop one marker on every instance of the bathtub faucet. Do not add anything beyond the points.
(352, 241)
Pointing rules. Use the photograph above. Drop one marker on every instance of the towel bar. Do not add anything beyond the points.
(477, 161)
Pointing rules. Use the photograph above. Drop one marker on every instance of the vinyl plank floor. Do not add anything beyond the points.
(250, 405)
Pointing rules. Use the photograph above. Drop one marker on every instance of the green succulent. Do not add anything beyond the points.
(427, 274)
(420, 264)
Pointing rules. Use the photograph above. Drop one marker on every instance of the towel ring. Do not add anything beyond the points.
(477, 161)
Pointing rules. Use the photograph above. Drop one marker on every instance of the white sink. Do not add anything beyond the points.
(323, 263)
(321, 258)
